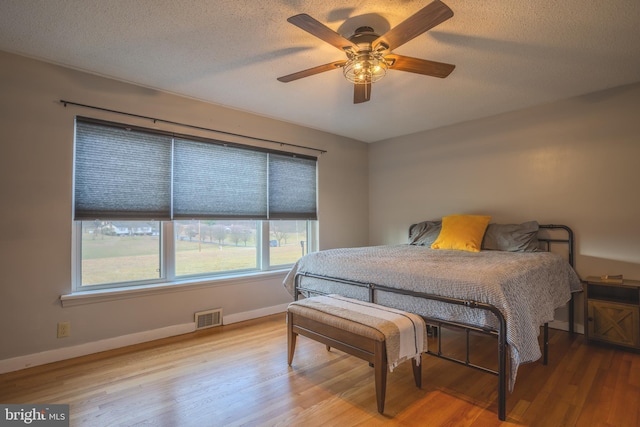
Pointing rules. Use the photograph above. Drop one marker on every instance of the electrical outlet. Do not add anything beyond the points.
(64, 329)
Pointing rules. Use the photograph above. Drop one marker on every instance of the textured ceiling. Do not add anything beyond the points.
(509, 54)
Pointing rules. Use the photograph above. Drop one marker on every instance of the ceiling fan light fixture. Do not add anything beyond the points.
(366, 67)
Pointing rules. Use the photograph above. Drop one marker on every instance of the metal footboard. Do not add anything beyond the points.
(500, 332)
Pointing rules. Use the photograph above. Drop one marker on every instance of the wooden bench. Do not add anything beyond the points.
(342, 333)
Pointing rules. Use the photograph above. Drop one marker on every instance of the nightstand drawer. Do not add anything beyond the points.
(614, 323)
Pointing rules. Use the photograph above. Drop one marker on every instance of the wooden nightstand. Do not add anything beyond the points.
(612, 312)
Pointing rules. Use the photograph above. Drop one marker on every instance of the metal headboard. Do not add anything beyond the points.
(568, 241)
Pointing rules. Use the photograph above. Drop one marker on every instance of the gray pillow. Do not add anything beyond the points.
(424, 233)
(512, 237)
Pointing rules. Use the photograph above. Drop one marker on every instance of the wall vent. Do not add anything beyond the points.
(208, 319)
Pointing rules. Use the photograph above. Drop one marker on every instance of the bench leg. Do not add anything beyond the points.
(380, 369)
(417, 372)
(291, 339)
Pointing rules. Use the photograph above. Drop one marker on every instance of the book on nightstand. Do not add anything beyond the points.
(614, 279)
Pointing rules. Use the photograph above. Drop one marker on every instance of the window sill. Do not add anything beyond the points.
(113, 294)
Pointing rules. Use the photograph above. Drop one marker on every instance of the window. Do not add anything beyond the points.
(152, 207)
(119, 252)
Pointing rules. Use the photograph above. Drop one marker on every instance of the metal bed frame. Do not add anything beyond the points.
(499, 332)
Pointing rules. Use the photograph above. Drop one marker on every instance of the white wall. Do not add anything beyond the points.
(573, 162)
(36, 159)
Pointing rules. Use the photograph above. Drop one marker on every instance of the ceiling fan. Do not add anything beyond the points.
(369, 54)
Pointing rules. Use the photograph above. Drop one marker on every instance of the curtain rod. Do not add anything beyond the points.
(155, 120)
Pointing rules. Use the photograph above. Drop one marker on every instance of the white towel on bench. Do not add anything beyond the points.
(405, 333)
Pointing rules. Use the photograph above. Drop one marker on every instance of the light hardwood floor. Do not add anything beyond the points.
(238, 375)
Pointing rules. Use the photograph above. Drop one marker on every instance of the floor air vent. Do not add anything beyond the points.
(209, 318)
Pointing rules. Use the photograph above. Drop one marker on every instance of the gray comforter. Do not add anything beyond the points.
(525, 287)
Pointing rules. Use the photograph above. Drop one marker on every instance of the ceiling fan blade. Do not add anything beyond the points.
(419, 66)
(320, 30)
(311, 71)
(361, 93)
(426, 18)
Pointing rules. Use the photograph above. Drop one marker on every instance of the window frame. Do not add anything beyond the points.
(284, 170)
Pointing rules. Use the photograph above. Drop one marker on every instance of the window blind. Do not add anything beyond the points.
(292, 187)
(124, 172)
(217, 181)
(121, 174)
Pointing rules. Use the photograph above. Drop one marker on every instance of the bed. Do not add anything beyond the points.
(508, 284)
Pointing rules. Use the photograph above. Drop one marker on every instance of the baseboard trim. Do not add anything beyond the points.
(50, 356)
(254, 314)
(564, 326)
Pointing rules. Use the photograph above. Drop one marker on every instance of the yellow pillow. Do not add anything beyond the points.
(462, 232)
